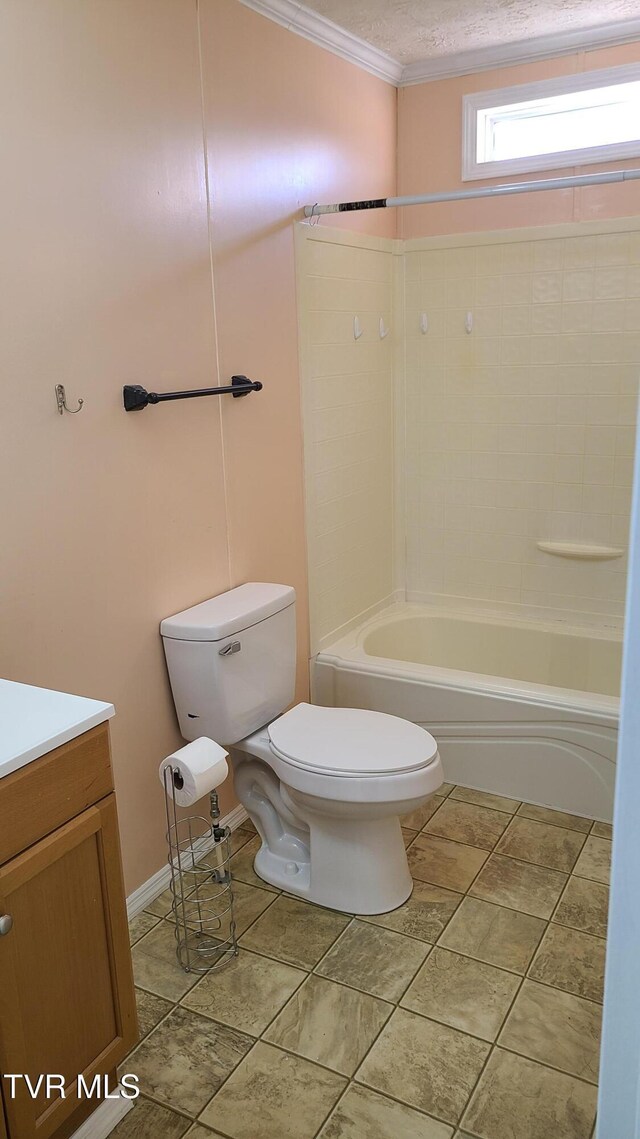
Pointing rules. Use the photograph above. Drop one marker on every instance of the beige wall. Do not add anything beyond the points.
(111, 521)
(430, 156)
(286, 124)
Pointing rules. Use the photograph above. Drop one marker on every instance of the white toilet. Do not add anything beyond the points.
(325, 787)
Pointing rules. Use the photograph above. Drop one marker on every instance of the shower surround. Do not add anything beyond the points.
(499, 412)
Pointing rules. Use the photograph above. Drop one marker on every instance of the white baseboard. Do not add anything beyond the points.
(159, 881)
(102, 1121)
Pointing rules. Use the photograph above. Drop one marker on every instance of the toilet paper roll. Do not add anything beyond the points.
(197, 769)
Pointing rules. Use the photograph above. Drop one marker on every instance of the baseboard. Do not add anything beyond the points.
(102, 1121)
(159, 881)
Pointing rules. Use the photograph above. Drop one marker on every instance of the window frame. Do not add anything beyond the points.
(543, 88)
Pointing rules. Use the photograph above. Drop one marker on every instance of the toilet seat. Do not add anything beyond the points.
(350, 742)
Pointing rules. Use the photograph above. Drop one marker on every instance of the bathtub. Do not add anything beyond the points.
(520, 708)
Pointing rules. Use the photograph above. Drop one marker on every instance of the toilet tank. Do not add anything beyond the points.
(232, 661)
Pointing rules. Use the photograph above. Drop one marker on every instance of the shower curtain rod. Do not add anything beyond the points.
(478, 192)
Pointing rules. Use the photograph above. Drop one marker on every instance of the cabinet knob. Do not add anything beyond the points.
(6, 923)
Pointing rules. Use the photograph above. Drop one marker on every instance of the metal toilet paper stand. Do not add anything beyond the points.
(201, 888)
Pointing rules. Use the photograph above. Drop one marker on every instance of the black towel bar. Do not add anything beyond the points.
(136, 397)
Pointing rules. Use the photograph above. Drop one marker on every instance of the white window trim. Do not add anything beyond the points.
(543, 88)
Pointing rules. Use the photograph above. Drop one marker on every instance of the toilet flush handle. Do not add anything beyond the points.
(232, 647)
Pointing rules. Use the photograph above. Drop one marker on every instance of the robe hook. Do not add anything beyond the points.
(61, 401)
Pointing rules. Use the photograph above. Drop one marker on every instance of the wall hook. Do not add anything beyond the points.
(383, 331)
(357, 328)
(424, 322)
(468, 322)
(61, 403)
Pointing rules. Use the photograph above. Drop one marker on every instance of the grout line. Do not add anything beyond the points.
(157, 922)
(266, 1042)
(477, 1083)
(318, 1063)
(328, 1116)
(413, 936)
(225, 1024)
(263, 953)
(333, 946)
(393, 1004)
(331, 1111)
(257, 917)
(152, 1029)
(282, 1008)
(536, 823)
(224, 1081)
(494, 850)
(566, 924)
(524, 977)
(546, 1064)
(287, 1052)
(577, 929)
(405, 1103)
(367, 992)
(465, 1031)
(266, 889)
(168, 1107)
(551, 823)
(557, 989)
(504, 967)
(583, 878)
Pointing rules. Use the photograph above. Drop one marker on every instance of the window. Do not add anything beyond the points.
(570, 121)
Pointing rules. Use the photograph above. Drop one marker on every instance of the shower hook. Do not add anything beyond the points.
(61, 401)
(383, 331)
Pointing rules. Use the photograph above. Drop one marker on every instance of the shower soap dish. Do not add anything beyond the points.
(581, 552)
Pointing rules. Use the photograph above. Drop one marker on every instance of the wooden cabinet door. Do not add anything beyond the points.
(67, 1002)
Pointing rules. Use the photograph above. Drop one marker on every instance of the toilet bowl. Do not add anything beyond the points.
(325, 787)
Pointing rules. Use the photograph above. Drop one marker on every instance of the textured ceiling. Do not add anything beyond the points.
(414, 30)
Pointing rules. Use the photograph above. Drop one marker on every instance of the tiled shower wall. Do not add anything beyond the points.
(348, 422)
(522, 429)
(436, 460)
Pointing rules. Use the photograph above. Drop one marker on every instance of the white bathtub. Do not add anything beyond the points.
(519, 708)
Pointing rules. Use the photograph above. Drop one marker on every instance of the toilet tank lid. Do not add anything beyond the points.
(229, 612)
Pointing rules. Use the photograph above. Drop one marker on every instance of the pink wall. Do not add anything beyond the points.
(286, 124)
(430, 156)
(112, 521)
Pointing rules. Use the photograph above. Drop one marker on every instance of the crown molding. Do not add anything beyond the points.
(296, 17)
(521, 51)
(312, 26)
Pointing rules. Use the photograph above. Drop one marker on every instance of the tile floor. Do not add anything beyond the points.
(471, 1011)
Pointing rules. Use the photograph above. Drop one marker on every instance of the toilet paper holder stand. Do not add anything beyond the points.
(199, 854)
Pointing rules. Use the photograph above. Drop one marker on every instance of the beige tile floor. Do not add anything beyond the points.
(471, 1011)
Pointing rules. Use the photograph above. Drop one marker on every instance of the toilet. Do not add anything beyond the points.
(325, 787)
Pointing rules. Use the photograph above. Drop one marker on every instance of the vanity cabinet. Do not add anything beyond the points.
(67, 1004)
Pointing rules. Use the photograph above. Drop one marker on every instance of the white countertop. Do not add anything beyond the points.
(34, 721)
